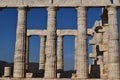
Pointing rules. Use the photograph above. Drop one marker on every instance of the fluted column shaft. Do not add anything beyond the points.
(19, 58)
(82, 55)
(50, 66)
(42, 53)
(75, 60)
(114, 58)
(60, 53)
(27, 53)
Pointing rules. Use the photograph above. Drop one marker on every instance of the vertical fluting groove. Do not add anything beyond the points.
(42, 53)
(114, 58)
(82, 53)
(19, 58)
(50, 66)
(27, 53)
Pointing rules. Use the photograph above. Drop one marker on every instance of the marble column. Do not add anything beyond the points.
(82, 53)
(60, 65)
(19, 58)
(75, 60)
(50, 65)
(42, 52)
(27, 53)
(114, 57)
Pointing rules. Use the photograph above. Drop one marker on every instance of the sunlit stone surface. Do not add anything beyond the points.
(105, 50)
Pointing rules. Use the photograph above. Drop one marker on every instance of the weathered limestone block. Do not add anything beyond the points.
(7, 71)
(100, 59)
(96, 2)
(92, 42)
(116, 1)
(11, 3)
(36, 32)
(58, 75)
(19, 58)
(76, 3)
(98, 38)
(66, 32)
(105, 42)
(93, 55)
(37, 3)
(67, 2)
(44, 32)
(29, 75)
(103, 47)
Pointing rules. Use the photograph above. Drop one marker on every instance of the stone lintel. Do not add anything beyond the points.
(66, 32)
(56, 3)
(51, 79)
(36, 32)
(44, 32)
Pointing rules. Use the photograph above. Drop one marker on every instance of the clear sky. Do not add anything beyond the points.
(37, 19)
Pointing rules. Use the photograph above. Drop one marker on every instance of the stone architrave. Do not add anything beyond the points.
(42, 53)
(82, 53)
(114, 57)
(50, 65)
(19, 58)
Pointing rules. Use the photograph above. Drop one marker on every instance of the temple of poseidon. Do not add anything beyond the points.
(105, 48)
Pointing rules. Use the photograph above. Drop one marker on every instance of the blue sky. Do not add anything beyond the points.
(37, 19)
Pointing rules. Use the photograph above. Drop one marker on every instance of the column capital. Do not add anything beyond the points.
(112, 10)
(23, 8)
(42, 35)
(51, 8)
(81, 8)
(60, 36)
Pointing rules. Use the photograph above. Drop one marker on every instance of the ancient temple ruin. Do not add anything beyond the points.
(105, 49)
